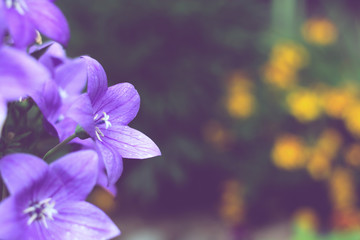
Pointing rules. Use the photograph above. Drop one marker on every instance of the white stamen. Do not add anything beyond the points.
(42, 210)
(19, 5)
(98, 134)
(32, 219)
(106, 120)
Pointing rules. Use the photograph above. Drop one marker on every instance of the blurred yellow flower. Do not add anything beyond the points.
(352, 119)
(285, 60)
(240, 101)
(352, 155)
(232, 208)
(329, 142)
(290, 55)
(336, 100)
(320, 31)
(304, 105)
(342, 189)
(279, 76)
(103, 199)
(306, 218)
(319, 166)
(289, 152)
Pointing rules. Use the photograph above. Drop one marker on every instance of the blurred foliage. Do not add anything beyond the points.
(263, 92)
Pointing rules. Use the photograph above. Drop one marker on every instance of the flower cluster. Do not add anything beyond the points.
(47, 201)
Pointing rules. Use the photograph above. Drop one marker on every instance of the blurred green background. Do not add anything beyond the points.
(254, 105)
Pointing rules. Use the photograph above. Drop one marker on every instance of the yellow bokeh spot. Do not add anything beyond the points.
(289, 152)
(232, 208)
(290, 55)
(352, 119)
(304, 105)
(342, 189)
(319, 166)
(335, 101)
(306, 218)
(352, 155)
(319, 31)
(279, 76)
(286, 59)
(240, 101)
(103, 199)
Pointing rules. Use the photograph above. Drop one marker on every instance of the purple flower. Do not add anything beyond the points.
(104, 113)
(47, 201)
(24, 17)
(69, 79)
(20, 76)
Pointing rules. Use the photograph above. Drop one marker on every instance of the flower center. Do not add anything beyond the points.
(19, 5)
(42, 211)
(100, 121)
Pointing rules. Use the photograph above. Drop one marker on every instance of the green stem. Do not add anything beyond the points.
(60, 145)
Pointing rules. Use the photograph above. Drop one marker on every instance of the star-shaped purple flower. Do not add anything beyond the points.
(47, 201)
(104, 113)
(24, 17)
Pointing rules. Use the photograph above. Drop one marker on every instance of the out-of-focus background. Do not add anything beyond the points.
(255, 106)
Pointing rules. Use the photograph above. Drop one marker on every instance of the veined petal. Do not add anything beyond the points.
(82, 220)
(78, 171)
(21, 170)
(81, 112)
(48, 101)
(20, 74)
(20, 27)
(131, 143)
(12, 219)
(97, 80)
(49, 20)
(112, 161)
(121, 102)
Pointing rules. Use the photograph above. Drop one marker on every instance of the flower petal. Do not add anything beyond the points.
(103, 180)
(82, 220)
(21, 28)
(71, 76)
(48, 101)
(78, 171)
(49, 20)
(130, 143)
(121, 102)
(21, 170)
(97, 80)
(112, 161)
(20, 74)
(81, 112)
(11, 219)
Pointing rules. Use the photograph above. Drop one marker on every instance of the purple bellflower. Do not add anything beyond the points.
(69, 79)
(47, 201)
(104, 113)
(20, 76)
(24, 17)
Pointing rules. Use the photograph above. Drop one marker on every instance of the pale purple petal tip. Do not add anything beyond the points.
(131, 143)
